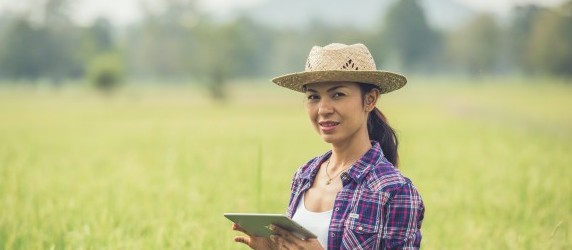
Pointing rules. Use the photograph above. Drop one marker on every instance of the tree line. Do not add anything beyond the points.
(179, 43)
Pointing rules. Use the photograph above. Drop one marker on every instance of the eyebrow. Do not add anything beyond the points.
(329, 90)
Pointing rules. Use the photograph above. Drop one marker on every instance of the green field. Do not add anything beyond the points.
(155, 168)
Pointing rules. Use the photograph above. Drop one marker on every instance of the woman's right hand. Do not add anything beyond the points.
(253, 242)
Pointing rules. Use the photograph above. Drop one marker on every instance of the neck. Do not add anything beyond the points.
(346, 153)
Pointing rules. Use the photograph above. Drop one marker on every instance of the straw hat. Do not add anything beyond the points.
(339, 62)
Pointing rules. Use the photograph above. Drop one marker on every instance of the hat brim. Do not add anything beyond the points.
(384, 80)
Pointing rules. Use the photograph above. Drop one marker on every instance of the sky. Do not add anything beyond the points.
(123, 12)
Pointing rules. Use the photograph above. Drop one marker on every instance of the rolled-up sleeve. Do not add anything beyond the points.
(402, 224)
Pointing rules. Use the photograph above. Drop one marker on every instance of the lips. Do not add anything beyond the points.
(328, 123)
(328, 126)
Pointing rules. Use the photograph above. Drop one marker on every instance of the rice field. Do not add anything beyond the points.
(156, 167)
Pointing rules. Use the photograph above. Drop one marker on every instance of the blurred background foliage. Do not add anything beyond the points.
(179, 42)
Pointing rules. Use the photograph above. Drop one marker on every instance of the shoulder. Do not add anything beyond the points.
(384, 177)
(399, 190)
(378, 174)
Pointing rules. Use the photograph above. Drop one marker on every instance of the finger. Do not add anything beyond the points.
(274, 238)
(237, 227)
(280, 231)
(243, 240)
(277, 230)
(289, 239)
(278, 241)
(286, 236)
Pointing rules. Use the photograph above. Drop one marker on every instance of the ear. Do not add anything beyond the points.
(370, 99)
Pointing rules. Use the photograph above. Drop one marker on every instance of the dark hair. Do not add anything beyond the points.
(379, 130)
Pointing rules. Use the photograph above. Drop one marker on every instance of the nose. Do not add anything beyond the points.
(325, 108)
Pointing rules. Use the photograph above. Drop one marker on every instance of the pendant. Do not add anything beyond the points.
(328, 182)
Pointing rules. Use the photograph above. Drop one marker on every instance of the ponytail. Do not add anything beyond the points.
(380, 131)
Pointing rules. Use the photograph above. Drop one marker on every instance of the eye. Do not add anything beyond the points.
(313, 97)
(338, 95)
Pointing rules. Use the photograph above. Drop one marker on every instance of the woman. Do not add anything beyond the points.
(352, 197)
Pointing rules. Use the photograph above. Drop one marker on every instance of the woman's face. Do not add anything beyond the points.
(337, 110)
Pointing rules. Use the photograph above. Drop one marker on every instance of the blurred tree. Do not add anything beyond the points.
(46, 48)
(179, 42)
(224, 51)
(409, 38)
(520, 33)
(378, 48)
(94, 40)
(475, 47)
(4, 20)
(289, 51)
(162, 45)
(22, 55)
(106, 71)
(102, 35)
(211, 62)
(251, 46)
(551, 42)
(63, 42)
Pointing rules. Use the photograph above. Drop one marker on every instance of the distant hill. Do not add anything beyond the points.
(361, 14)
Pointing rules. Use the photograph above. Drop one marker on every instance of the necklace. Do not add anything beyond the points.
(336, 175)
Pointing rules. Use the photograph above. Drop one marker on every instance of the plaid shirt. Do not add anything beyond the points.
(377, 208)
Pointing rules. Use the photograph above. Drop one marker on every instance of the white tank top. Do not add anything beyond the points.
(317, 223)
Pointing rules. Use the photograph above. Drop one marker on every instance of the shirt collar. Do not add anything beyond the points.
(358, 170)
(312, 170)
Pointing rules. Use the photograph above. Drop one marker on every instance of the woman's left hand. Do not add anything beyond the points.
(284, 239)
(281, 239)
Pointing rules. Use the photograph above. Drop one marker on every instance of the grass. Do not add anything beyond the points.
(155, 168)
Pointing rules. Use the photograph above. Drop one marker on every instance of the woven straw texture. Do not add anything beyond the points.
(341, 63)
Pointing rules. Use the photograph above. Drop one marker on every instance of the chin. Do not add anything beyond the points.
(330, 138)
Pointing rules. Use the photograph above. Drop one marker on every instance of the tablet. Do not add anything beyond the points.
(257, 224)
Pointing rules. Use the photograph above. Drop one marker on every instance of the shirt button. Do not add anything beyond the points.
(333, 235)
(337, 209)
(360, 228)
